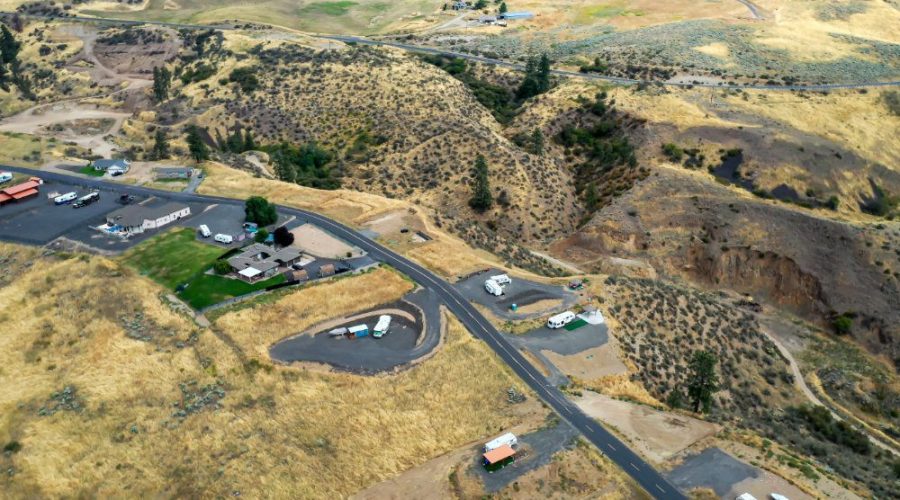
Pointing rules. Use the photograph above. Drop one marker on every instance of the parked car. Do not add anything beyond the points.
(204, 231)
(224, 238)
(126, 199)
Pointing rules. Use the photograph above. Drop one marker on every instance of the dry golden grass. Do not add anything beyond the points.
(280, 432)
(256, 328)
(445, 253)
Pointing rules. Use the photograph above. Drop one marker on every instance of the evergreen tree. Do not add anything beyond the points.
(543, 74)
(249, 143)
(537, 142)
(481, 193)
(161, 145)
(591, 200)
(235, 142)
(703, 382)
(162, 80)
(9, 47)
(503, 8)
(195, 143)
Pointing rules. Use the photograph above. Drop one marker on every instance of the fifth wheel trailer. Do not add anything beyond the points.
(508, 439)
(493, 288)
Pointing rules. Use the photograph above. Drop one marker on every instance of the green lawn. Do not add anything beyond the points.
(338, 8)
(176, 258)
(89, 170)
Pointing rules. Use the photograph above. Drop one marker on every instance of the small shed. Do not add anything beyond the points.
(296, 275)
(358, 330)
(326, 270)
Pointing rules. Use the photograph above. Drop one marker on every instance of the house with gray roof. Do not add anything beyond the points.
(259, 261)
(135, 219)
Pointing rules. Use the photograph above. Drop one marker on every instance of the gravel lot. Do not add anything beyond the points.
(369, 355)
(520, 292)
(712, 468)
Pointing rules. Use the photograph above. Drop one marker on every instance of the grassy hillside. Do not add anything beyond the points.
(95, 382)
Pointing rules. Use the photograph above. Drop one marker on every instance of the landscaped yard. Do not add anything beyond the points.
(176, 258)
(93, 172)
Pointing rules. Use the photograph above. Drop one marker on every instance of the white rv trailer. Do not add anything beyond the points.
(493, 288)
(560, 320)
(381, 328)
(501, 279)
(509, 439)
(65, 198)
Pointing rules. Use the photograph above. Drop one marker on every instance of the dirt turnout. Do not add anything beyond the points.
(655, 434)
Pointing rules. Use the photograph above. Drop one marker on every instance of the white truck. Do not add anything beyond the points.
(509, 438)
(381, 328)
(501, 279)
(224, 238)
(560, 320)
(493, 288)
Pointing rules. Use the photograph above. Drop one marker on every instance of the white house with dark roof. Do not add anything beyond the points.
(135, 219)
(258, 261)
(118, 166)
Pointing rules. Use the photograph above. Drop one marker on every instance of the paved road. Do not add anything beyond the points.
(489, 60)
(608, 444)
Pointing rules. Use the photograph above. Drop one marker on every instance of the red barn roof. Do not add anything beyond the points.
(25, 194)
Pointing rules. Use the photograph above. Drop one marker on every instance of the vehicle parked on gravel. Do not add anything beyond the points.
(493, 288)
(508, 439)
(87, 199)
(560, 320)
(224, 238)
(381, 328)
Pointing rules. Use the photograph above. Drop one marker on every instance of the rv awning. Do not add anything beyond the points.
(250, 272)
(498, 454)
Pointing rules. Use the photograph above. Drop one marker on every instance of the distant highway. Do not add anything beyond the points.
(488, 60)
(645, 475)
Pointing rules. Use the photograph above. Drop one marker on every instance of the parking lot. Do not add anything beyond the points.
(406, 341)
(38, 220)
(520, 292)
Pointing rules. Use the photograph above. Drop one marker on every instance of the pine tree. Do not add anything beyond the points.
(249, 143)
(161, 145)
(591, 200)
(703, 382)
(537, 142)
(235, 142)
(9, 47)
(198, 148)
(503, 8)
(543, 74)
(481, 193)
(162, 80)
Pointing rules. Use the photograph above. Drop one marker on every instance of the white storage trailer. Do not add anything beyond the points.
(560, 320)
(223, 238)
(493, 288)
(507, 439)
(501, 279)
(204, 231)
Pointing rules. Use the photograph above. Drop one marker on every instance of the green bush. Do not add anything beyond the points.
(221, 267)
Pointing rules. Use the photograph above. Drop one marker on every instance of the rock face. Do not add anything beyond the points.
(692, 229)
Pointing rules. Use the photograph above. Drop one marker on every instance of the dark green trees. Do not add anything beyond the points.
(198, 148)
(481, 190)
(258, 210)
(703, 381)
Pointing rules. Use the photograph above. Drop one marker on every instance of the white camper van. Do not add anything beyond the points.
(501, 279)
(5, 177)
(493, 288)
(204, 231)
(560, 320)
(65, 198)
(224, 238)
(509, 439)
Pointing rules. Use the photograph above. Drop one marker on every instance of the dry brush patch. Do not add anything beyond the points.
(142, 417)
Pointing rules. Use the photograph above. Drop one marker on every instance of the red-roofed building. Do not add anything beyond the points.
(19, 192)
